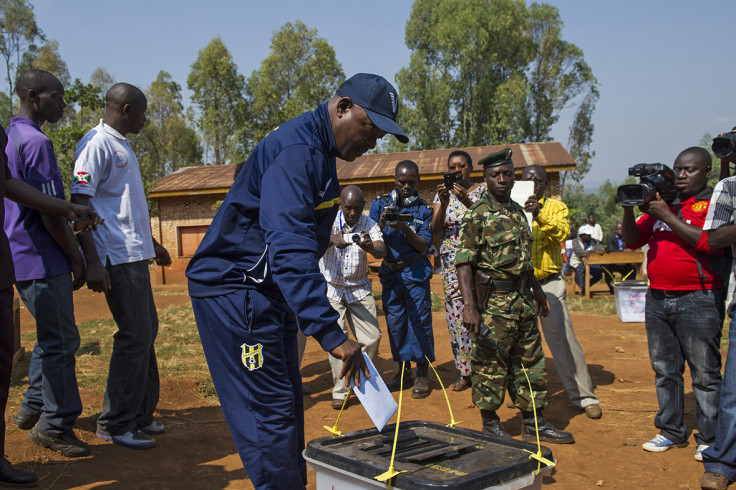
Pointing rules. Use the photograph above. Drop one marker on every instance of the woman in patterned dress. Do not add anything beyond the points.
(449, 207)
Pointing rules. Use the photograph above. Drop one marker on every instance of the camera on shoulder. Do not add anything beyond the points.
(725, 144)
(653, 178)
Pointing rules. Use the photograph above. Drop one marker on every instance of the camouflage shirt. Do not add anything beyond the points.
(497, 238)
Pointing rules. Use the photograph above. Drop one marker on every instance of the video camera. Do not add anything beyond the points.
(653, 178)
(724, 145)
(392, 216)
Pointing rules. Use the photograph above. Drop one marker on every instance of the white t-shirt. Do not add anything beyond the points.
(106, 169)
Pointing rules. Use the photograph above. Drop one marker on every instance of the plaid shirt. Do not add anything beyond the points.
(722, 211)
(549, 229)
(346, 269)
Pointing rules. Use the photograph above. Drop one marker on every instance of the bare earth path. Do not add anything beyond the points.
(197, 452)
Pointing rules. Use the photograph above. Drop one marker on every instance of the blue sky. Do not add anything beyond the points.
(666, 68)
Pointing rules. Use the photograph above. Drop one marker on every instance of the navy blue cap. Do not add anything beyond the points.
(379, 100)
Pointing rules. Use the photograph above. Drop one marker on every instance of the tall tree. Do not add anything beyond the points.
(300, 72)
(18, 31)
(581, 136)
(102, 79)
(46, 58)
(218, 92)
(465, 54)
(166, 142)
(490, 72)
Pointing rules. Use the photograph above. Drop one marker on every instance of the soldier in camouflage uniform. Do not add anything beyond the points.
(493, 259)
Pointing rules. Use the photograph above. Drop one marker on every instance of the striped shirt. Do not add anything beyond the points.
(721, 211)
(550, 227)
(346, 269)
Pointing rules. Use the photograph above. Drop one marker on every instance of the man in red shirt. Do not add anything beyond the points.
(685, 302)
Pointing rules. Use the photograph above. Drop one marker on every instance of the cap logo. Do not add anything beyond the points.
(394, 102)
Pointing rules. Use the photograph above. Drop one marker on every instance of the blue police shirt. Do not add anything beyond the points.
(274, 225)
(398, 247)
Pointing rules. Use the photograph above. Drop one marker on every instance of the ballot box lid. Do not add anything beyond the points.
(432, 455)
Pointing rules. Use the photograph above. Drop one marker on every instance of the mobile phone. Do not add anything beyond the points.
(450, 178)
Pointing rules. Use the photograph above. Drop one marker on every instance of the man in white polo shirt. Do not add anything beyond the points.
(345, 267)
(107, 176)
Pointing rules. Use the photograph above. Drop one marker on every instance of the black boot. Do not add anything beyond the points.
(421, 382)
(492, 424)
(547, 432)
(15, 477)
(395, 383)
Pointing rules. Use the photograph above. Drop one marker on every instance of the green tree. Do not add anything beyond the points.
(581, 136)
(103, 80)
(464, 55)
(489, 72)
(46, 58)
(18, 32)
(300, 72)
(166, 142)
(218, 94)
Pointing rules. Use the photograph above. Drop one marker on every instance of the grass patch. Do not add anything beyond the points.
(603, 306)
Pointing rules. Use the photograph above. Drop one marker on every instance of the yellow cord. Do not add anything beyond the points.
(538, 455)
(334, 430)
(447, 398)
(391, 472)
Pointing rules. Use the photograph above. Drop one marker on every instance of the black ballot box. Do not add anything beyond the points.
(432, 455)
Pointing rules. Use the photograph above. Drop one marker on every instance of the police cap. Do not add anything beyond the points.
(500, 157)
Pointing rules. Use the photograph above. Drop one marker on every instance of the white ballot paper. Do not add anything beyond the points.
(375, 396)
(520, 193)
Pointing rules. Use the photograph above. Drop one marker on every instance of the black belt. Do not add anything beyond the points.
(500, 286)
(673, 294)
(402, 264)
(547, 279)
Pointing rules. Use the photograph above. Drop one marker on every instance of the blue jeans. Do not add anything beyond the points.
(132, 389)
(408, 309)
(683, 329)
(720, 457)
(52, 381)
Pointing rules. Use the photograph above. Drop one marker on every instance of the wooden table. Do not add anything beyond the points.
(634, 257)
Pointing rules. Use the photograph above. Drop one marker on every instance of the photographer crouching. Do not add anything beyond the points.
(685, 301)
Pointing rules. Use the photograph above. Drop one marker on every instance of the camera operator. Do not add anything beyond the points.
(405, 275)
(345, 267)
(684, 304)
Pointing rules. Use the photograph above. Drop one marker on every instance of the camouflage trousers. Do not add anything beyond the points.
(497, 361)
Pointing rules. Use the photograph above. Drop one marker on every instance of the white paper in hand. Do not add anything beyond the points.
(520, 193)
(375, 396)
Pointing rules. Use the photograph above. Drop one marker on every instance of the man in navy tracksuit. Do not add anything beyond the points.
(255, 275)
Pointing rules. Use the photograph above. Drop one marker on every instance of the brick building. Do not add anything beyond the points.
(187, 198)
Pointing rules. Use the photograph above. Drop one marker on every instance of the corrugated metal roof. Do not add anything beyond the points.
(377, 167)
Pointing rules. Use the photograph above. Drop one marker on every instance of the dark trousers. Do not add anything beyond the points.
(6, 354)
(250, 342)
(684, 329)
(408, 308)
(132, 389)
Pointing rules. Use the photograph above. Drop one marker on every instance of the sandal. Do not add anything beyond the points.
(461, 384)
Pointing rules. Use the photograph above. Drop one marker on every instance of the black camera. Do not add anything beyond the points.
(393, 216)
(450, 178)
(653, 178)
(724, 145)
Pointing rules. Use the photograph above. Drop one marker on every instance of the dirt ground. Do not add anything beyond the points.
(197, 452)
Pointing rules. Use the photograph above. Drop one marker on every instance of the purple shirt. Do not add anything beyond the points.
(31, 159)
(7, 278)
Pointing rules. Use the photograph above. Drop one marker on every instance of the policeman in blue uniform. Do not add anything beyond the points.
(405, 274)
(255, 276)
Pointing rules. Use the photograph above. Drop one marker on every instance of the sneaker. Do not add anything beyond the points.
(13, 477)
(154, 428)
(103, 434)
(660, 444)
(26, 421)
(699, 451)
(135, 440)
(67, 444)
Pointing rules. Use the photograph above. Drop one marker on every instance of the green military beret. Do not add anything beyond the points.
(497, 158)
